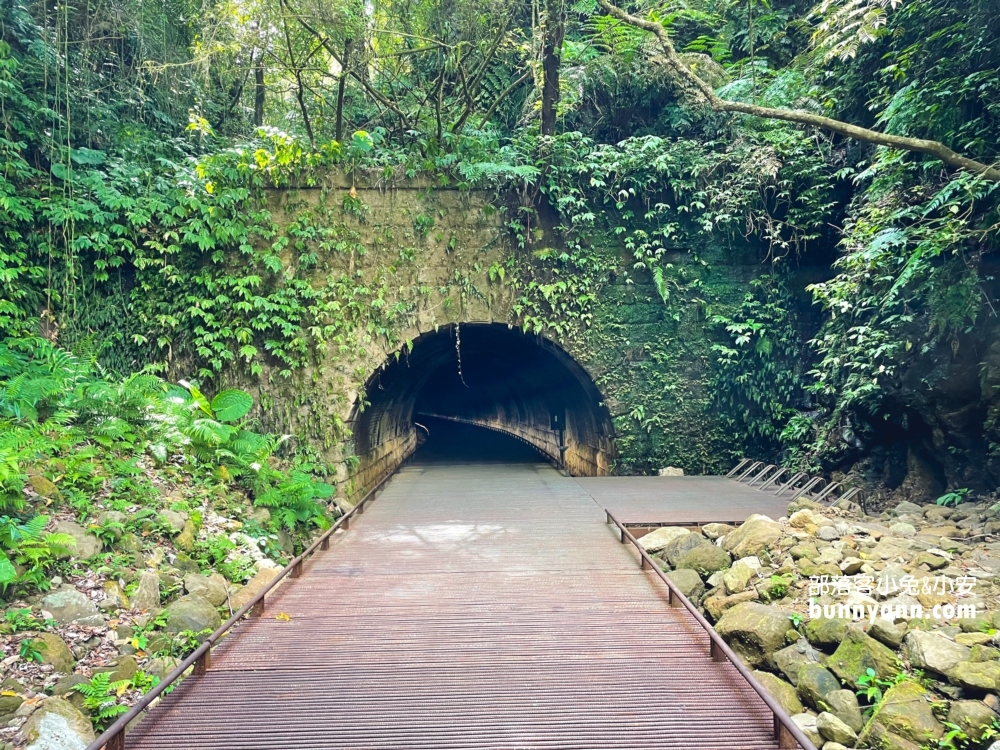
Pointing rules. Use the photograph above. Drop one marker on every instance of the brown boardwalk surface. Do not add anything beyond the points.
(654, 501)
(471, 606)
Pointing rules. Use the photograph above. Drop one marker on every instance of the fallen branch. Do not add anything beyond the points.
(919, 145)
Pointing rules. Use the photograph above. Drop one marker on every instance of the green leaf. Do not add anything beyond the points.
(7, 571)
(231, 405)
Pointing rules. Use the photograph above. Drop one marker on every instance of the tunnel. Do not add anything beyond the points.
(485, 376)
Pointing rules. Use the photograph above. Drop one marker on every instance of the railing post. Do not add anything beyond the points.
(297, 571)
(644, 563)
(325, 544)
(782, 735)
(117, 742)
(715, 652)
(204, 662)
(346, 524)
(361, 507)
(624, 536)
(257, 609)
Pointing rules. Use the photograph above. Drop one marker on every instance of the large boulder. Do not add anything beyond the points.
(706, 559)
(688, 581)
(906, 711)
(844, 705)
(57, 725)
(261, 578)
(656, 540)
(84, 544)
(739, 576)
(934, 651)
(754, 631)
(887, 632)
(173, 520)
(54, 651)
(859, 652)
(807, 723)
(213, 587)
(68, 606)
(976, 676)
(791, 659)
(679, 546)
(815, 682)
(834, 730)
(826, 632)
(185, 540)
(781, 691)
(146, 596)
(974, 717)
(191, 612)
(755, 535)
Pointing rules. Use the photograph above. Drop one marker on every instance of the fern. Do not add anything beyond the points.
(101, 698)
(844, 25)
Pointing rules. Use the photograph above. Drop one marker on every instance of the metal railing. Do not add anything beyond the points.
(786, 732)
(800, 484)
(113, 738)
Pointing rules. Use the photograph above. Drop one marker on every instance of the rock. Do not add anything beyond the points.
(851, 565)
(888, 549)
(114, 597)
(791, 659)
(67, 683)
(717, 605)
(814, 683)
(263, 577)
(886, 740)
(55, 652)
(146, 596)
(67, 605)
(807, 723)
(887, 632)
(907, 508)
(781, 691)
(124, 668)
(706, 559)
(191, 612)
(213, 587)
(835, 730)
(161, 666)
(828, 533)
(113, 522)
(738, 576)
(906, 711)
(973, 639)
(976, 675)
(983, 653)
(57, 725)
(671, 471)
(754, 631)
(44, 487)
(804, 551)
(173, 520)
(903, 529)
(932, 561)
(844, 705)
(185, 539)
(933, 651)
(716, 530)
(9, 705)
(185, 564)
(755, 535)
(680, 545)
(656, 540)
(689, 583)
(84, 545)
(972, 716)
(857, 653)
(824, 632)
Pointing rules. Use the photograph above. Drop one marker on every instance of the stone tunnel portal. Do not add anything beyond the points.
(490, 376)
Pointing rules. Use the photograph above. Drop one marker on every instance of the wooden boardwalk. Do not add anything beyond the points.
(482, 606)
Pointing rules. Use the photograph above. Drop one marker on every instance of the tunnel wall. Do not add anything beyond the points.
(425, 257)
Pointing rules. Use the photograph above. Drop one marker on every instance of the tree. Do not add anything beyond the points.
(700, 89)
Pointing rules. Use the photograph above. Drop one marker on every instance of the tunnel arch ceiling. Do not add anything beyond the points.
(487, 374)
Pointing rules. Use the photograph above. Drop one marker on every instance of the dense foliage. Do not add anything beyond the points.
(137, 140)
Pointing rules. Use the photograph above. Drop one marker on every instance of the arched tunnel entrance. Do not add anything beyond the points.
(487, 376)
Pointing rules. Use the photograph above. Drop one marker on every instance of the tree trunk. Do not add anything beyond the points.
(258, 92)
(555, 30)
(341, 86)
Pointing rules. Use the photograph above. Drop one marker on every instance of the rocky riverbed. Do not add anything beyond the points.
(871, 631)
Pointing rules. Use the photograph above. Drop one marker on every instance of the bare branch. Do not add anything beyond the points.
(919, 145)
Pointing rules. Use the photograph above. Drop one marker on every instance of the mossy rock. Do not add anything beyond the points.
(906, 711)
(826, 632)
(858, 653)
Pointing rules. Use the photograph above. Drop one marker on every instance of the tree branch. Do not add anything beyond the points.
(919, 145)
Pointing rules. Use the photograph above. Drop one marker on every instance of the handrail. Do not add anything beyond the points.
(113, 738)
(760, 474)
(774, 478)
(797, 478)
(743, 462)
(753, 466)
(808, 487)
(785, 730)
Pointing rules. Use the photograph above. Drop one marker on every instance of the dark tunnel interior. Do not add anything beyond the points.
(483, 375)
